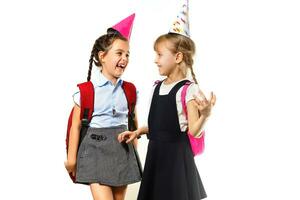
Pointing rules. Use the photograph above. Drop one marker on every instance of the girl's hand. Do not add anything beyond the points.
(71, 167)
(127, 136)
(204, 106)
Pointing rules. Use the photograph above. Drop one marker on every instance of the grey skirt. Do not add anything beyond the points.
(102, 159)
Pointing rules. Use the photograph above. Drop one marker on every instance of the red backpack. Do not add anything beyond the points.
(87, 108)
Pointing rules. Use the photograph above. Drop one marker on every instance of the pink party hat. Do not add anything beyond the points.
(181, 24)
(125, 26)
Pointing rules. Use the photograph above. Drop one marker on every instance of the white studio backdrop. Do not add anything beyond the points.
(247, 53)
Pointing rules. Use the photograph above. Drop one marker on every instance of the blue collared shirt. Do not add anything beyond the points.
(110, 107)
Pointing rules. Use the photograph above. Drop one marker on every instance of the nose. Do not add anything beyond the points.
(124, 58)
(156, 59)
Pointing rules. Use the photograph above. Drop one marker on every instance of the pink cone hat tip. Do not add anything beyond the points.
(124, 27)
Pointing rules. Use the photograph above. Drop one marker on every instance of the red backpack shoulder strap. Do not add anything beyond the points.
(130, 93)
(86, 99)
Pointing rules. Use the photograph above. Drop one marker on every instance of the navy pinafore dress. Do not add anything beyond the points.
(170, 172)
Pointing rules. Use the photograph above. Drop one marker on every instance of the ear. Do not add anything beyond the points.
(101, 55)
(178, 57)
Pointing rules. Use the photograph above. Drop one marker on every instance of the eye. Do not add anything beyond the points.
(119, 53)
(127, 55)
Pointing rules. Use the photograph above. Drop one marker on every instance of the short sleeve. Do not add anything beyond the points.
(76, 98)
(193, 89)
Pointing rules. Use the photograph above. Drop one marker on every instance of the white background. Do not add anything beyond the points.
(247, 53)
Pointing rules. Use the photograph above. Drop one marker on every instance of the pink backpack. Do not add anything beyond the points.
(197, 144)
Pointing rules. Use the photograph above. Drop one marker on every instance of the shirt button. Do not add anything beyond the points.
(114, 112)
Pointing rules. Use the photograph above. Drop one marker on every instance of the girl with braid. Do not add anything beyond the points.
(103, 163)
(170, 171)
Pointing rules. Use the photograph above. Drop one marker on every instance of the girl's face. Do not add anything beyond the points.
(165, 59)
(115, 61)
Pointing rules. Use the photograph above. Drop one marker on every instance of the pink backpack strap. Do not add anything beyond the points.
(156, 82)
(197, 144)
(183, 95)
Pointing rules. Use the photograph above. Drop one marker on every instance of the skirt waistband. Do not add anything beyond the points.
(107, 130)
(111, 127)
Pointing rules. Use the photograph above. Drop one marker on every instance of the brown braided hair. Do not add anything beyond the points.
(103, 43)
(182, 44)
